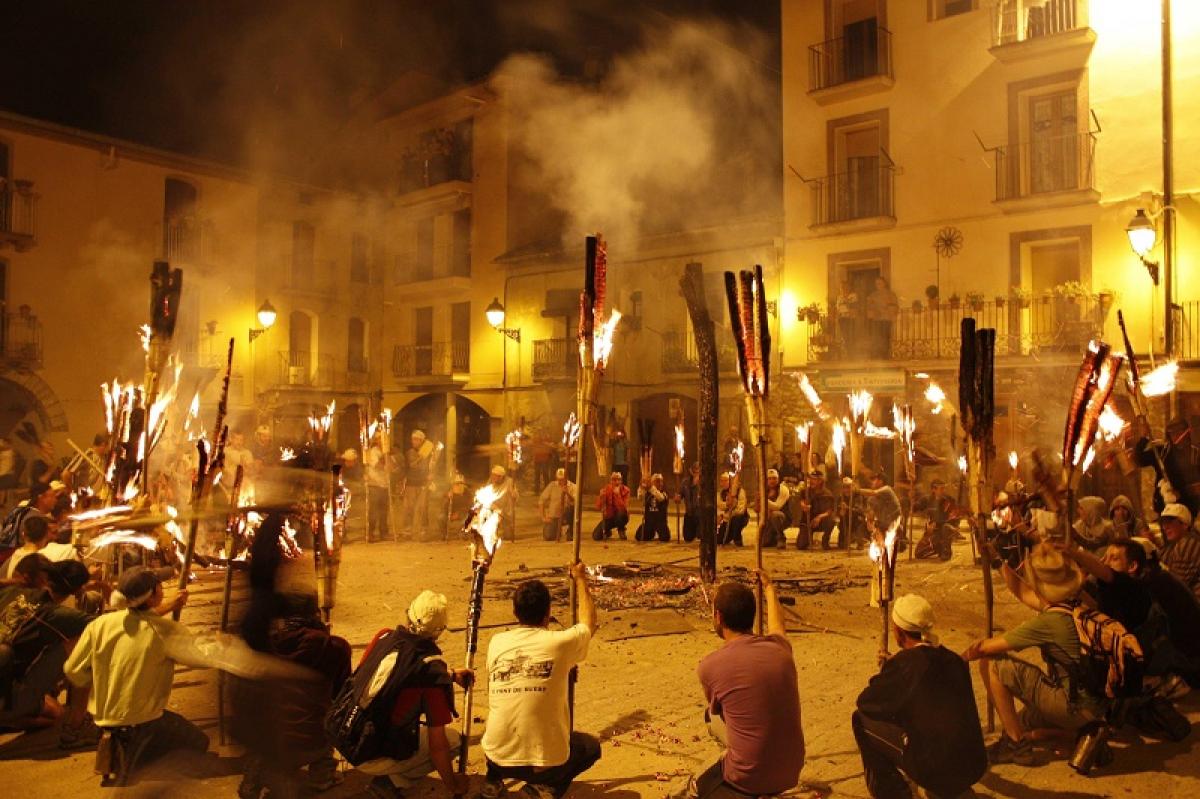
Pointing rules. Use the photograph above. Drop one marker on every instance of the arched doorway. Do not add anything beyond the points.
(25, 424)
(467, 442)
(660, 409)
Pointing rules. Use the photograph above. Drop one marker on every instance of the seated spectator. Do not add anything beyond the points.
(1125, 521)
(820, 514)
(1093, 530)
(1054, 704)
(1181, 546)
(431, 690)
(775, 519)
(753, 701)
(918, 714)
(41, 630)
(123, 657)
(529, 734)
(1182, 610)
(282, 721)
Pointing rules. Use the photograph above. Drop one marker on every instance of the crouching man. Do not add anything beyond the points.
(125, 657)
(753, 700)
(918, 714)
(424, 697)
(528, 734)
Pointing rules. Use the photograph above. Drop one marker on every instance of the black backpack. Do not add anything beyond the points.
(359, 723)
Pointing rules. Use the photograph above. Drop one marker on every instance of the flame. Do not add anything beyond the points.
(736, 456)
(1088, 458)
(839, 442)
(571, 429)
(143, 540)
(803, 431)
(1161, 380)
(921, 375)
(144, 334)
(1104, 379)
(962, 463)
(512, 440)
(679, 440)
(287, 454)
(487, 518)
(860, 406)
(1012, 459)
(814, 399)
(602, 341)
(287, 541)
(876, 552)
(319, 425)
(935, 396)
(871, 431)
(1111, 424)
(906, 428)
(100, 513)
(327, 525)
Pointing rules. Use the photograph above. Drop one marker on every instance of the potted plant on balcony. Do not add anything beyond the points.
(931, 295)
(810, 313)
(975, 300)
(916, 306)
(955, 302)
(1000, 301)
(1068, 299)
(1020, 296)
(1105, 298)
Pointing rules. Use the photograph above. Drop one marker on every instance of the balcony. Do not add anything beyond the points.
(555, 359)
(850, 66)
(443, 359)
(1041, 325)
(21, 339)
(441, 156)
(858, 199)
(1024, 29)
(1187, 331)
(305, 369)
(1052, 171)
(189, 240)
(358, 375)
(17, 206)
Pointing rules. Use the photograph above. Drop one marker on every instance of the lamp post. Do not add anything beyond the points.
(266, 318)
(495, 315)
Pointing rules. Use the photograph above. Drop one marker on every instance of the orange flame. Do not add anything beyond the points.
(839, 442)
(603, 340)
(1111, 424)
(1161, 380)
(571, 429)
(936, 397)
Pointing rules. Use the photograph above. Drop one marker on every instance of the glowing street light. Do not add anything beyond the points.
(495, 315)
(266, 317)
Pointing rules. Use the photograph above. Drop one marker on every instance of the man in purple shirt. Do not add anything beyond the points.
(753, 701)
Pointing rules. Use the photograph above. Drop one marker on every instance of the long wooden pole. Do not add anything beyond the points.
(763, 516)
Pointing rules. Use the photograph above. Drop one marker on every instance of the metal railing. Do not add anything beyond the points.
(1050, 164)
(21, 339)
(679, 355)
(437, 359)
(305, 369)
(1046, 323)
(555, 358)
(187, 239)
(440, 156)
(1022, 20)
(849, 58)
(861, 193)
(17, 206)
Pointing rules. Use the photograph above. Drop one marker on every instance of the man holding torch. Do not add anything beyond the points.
(528, 734)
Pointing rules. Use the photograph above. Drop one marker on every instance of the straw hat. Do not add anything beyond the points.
(1054, 577)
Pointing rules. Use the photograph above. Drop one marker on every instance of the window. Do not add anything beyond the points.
(460, 254)
(423, 265)
(460, 336)
(423, 338)
(859, 183)
(854, 28)
(1050, 148)
(940, 9)
(181, 231)
(360, 271)
(1053, 123)
(356, 346)
(303, 255)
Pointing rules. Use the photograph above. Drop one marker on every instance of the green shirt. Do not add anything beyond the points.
(1053, 633)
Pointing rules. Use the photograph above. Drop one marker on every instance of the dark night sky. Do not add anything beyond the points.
(186, 75)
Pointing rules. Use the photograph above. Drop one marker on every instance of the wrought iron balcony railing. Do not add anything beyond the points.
(189, 240)
(1187, 331)
(555, 358)
(436, 359)
(850, 58)
(305, 369)
(862, 193)
(1047, 165)
(1043, 324)
(21, 339)
(1016, 21)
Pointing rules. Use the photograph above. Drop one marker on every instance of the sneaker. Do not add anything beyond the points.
(384, 788)
(492, 789)
(538, 791)
(85, 736)
(1006, 750)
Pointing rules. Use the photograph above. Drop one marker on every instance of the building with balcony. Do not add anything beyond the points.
(983, 159)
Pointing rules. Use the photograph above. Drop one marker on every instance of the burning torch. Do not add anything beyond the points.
(1094, 385)
(882, 553)
(752, 334)
(677, 467)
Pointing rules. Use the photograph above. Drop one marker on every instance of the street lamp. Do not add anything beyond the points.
(266, 318)
(495, 316)
(1142, 236)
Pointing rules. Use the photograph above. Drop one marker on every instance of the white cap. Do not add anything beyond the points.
(914, 614)
(1177, 511)
(427, 614)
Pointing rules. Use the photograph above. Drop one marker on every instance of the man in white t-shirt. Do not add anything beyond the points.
(529, 733)
(36, 531)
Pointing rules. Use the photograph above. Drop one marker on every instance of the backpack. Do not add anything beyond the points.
(1111, 661)
(10, 528)
(359, 722)
(15, 617)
